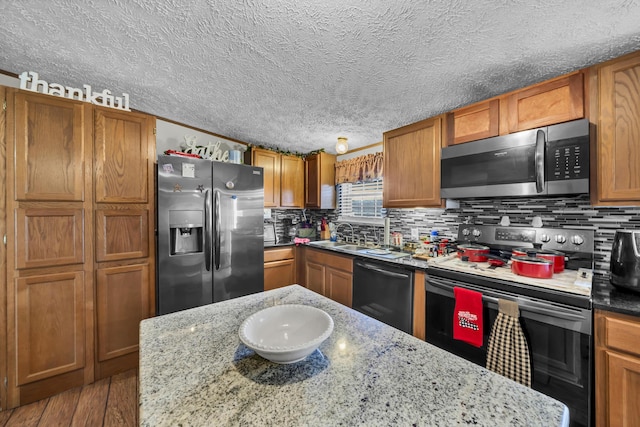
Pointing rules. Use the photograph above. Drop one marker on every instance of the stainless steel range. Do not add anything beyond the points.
(555, 313)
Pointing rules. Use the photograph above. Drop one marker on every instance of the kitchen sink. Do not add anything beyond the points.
(354, 248)
(328, 244)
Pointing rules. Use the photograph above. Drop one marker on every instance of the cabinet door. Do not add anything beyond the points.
(121, 234)
(270, 162)
(50, 325)
(292, 182)
(315, 276)
(618, 160)
(477, 121)
(122, 303)
(412, 165)
(555, 101)
(49, 237)
(279, 273)
(49, 147)
(122, 151)
(340, 286)
(320, 177)
(623, 390)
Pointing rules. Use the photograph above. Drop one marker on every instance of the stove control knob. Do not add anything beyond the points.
(577, 240)
(545, 238)
(465, 232)
(476, 233)
(560, 239)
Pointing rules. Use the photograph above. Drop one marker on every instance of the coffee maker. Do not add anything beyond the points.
(625, 260)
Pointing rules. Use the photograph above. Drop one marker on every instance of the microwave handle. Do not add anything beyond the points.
(539, 160)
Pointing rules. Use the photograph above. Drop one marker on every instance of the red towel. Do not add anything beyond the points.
(467, 316)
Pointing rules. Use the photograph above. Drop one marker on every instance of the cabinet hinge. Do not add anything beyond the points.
(4, 240)
(154, 131)
(4, 105)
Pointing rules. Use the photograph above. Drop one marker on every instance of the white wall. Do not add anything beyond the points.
(9, 81)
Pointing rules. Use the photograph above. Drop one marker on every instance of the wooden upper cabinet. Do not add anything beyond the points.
(291, 182)
(50, 139)
(554, 101)
(412, 165)
(477, 121)
(618, 133)
(269, 161)
(122, 148)
(320, 177)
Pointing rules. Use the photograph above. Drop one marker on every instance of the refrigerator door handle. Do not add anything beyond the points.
(217, 230)
(207, 230)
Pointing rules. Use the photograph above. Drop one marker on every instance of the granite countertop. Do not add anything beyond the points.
(604, 295)
(195, 371)
(607, 297)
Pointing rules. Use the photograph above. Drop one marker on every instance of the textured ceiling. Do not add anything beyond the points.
(296, 74)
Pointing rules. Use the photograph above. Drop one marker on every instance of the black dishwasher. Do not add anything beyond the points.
(385, 292)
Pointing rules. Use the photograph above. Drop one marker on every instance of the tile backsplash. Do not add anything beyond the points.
(557, 212)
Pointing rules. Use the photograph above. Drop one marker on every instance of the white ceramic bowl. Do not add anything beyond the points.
(286, 333)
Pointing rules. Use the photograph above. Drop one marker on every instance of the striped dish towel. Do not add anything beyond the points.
(508, 351)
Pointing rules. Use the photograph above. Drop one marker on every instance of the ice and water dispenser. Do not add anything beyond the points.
(186, 229)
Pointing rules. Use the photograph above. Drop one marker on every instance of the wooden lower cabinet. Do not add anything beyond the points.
(617, 358)
(279, 267)
(50, 325)
(122, 295)
(329, 274)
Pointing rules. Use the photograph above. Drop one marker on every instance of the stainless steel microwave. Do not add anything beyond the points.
(550, 160)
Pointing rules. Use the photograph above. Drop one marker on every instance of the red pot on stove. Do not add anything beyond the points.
(556, 257)
(476, 253)
(530, 266)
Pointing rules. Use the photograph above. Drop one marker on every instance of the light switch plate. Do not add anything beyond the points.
(414, 234)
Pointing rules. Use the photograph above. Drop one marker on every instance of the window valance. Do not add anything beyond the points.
(360, 169)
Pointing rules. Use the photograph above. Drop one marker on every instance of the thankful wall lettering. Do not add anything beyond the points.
(104, 98)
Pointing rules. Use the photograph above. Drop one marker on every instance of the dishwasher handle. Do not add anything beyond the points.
(381, 270)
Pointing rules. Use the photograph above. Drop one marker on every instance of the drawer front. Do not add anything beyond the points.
(277, 254)
(340, 262)
(622, 334)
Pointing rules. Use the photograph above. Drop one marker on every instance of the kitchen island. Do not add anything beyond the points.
(194, 371)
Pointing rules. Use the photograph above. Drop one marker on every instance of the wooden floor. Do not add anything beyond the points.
(108, 402)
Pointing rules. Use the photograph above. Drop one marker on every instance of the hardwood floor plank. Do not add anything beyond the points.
(61, 407)
(4, 416)
(123, 400)
(91, 404)
(27, 415)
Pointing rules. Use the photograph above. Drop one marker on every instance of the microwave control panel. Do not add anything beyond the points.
(567, 159)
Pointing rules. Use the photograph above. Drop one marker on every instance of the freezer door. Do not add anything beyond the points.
(184, 278)
(238, 232)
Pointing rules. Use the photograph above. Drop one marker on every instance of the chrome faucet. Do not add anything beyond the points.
(345, 223)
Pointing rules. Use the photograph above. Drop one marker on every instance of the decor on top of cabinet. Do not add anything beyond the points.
(211, 151)
(362, 168)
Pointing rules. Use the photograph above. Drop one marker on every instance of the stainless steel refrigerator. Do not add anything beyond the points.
(209, 232)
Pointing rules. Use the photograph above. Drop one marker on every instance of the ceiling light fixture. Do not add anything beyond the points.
(341, 145)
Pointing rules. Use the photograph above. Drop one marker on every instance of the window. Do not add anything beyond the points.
(361, 202)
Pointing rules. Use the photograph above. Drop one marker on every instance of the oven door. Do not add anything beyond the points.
(559, 339)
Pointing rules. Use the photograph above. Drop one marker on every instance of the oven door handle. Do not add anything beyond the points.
(575, 319)
(381, 271)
